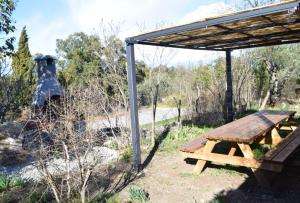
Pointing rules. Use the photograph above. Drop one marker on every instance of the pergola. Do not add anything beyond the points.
(276, 24)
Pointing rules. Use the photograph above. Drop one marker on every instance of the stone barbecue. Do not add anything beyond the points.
(48, 86)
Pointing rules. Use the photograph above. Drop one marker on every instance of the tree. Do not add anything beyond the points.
(23, 68)
(6, 26)
(10, 91)
(79, 58)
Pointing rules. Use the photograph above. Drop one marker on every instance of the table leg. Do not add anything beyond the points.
(201, 163)
(271, 137)
(258, 173)
(232, 149)
(276, 138)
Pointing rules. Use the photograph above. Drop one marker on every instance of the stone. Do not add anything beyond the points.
(10, 129)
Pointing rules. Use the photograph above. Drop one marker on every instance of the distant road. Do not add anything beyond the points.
(145, 117)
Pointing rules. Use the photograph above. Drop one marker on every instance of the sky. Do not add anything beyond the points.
(48, 20)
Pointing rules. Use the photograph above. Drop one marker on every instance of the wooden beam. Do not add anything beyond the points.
(201, 163)
(234, 160)
(258, 173)
(276, 138)
(233, 149)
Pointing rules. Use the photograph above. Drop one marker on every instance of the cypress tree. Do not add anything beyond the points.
(22, 65)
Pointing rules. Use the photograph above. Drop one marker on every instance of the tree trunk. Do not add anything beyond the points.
(265, 100)
(154, 106)
(178, 105)
(229, 94)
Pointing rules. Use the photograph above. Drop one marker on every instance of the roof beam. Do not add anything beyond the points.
(214, 44)
(181, 47)
(265, 45)
(245, 43)
(247, 29)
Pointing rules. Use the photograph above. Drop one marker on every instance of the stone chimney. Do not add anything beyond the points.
(48, 86)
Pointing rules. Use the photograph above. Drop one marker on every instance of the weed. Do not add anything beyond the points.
(218, 199)
(37, 197)
(127, 154)
(113, 199)
(18, 182)
(185, 175)
(260, 150)
(160, 123)
(4, 182)
(230, 170)
(137, 194)
(105, 197)
(176, 138)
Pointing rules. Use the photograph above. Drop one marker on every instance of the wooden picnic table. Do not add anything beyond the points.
(260, 127)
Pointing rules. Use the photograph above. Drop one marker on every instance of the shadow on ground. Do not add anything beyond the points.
(158, 141)
(285, 187)
(116, 178)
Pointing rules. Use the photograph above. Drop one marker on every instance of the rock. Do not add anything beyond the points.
(57, 166)
(33, 139)
(10, 144)
(11, 152)
(10, 157)
(10, 129)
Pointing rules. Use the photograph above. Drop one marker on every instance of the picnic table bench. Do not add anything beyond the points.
(261, 127)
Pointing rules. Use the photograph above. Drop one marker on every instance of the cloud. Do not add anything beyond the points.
(82, 15)
(129, 12)
(208, 11)
(183, 56)
(201, 13)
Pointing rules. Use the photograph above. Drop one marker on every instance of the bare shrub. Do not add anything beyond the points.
(67, 149)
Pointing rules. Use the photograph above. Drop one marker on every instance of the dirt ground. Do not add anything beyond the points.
(168, 178)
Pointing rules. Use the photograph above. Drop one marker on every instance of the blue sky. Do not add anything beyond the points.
(48, 20)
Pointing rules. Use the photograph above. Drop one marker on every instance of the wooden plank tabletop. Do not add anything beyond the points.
(247, 129)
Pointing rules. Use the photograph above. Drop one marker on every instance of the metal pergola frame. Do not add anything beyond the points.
(145, 39)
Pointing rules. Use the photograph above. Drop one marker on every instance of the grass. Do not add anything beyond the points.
(218, 199)
(178, 137)
(127, 154)
(37, 197)
(228, 169)
(113, 199)
(160, 123)
(260, 150)
(4, 182)
(136, 194)
(8, 182)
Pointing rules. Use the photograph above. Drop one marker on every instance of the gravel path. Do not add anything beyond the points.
(145, 117)
(29, 171)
